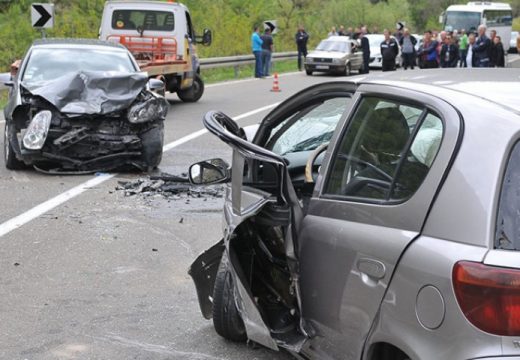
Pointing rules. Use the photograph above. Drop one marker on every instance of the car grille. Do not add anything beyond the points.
(323, 60)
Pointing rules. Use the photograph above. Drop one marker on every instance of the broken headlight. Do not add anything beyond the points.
(152, 109)
(36, 132)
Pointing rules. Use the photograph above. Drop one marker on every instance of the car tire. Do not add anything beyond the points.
(194, 93)
(308, 72)
(11, 162)
(153, 141)
(226, 319)
(348, 70)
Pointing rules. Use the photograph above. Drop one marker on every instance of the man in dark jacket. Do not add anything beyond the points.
(498, 56)
(449, 53)
(365, 47)
(428, 52)
(389, 51)
(407, 44)
(482, 48)
(301, 39)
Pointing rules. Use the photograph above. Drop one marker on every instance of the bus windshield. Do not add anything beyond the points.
(458, 20)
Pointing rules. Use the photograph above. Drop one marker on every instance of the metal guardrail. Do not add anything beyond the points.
(235, 61)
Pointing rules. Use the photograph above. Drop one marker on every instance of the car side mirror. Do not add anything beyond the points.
(205, 39)
(9, 84)
(209, 172)
(156, 85)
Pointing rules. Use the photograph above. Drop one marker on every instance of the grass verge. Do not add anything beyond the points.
(211, 76)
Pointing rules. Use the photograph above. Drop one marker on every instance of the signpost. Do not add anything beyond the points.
(42, 16)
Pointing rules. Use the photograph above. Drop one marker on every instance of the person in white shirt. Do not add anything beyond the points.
(469, 55)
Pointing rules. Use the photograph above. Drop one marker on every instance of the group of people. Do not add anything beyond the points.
(262, 46)
(460, 49)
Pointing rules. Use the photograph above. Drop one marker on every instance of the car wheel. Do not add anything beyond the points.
(348, 70)
(226, 318)
(194, 93)
(308, 72)
(153, 141)
(11, 162)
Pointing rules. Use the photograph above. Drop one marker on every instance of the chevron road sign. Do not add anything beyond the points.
(42, 16)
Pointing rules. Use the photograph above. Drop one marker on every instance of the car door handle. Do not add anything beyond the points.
(375, 269)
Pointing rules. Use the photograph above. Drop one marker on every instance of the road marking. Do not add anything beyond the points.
(233, 82)
(39, 210)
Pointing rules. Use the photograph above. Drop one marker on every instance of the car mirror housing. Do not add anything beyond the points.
(209, 172)
(205, 39)
(155, 85)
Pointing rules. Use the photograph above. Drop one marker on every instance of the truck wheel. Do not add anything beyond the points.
(11, 162)
(194, 93)
(153, 141)
(226, 318)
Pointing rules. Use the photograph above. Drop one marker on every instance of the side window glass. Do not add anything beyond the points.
(377, 158)
(307, 129)
(507, 233)
(419, 158)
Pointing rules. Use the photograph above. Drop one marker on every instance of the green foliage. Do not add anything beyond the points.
(231, 21)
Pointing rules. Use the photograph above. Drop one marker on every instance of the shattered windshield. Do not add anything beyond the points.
(46, 64)
(307, 129)
(337, 46)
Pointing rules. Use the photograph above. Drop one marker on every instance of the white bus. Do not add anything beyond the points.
(496, 16)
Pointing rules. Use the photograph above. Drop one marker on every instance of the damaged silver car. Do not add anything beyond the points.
(372, 219)
(81, 106)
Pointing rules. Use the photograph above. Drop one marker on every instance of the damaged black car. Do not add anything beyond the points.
(83, 106)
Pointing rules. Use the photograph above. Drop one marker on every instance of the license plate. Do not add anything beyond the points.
(322, 67)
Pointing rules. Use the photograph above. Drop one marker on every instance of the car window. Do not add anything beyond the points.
(386, 151)
(143, 19)
(49, 64)
(308, 128)
(507, 233)
(335, 46)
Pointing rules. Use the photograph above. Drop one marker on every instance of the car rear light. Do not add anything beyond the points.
(489, 296)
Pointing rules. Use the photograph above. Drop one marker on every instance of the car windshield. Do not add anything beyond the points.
(337, 46)
(47, 64)
(307, 129)
(457, 20)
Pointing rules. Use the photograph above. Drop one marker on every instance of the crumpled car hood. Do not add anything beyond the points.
(91, 92)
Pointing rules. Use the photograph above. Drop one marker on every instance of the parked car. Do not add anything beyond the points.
(512, 42)
(336, 54)
(376, 60)
(389, 232)
(83, 106)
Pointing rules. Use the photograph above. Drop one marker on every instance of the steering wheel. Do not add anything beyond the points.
(367, 164)
(309, 179)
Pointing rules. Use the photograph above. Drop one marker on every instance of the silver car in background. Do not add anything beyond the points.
(376, 60)
(391, 232)
(336, 54)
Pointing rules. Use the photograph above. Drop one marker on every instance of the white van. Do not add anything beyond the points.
(161, 37)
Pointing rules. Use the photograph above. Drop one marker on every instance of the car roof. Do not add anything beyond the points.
(69, 42)
(499, 86)
(338, 38)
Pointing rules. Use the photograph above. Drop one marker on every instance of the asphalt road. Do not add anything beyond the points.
(104, 276)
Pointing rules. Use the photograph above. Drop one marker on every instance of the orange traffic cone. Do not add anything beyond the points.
(276, 86)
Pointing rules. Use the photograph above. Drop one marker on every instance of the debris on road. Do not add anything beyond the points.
(171, 187)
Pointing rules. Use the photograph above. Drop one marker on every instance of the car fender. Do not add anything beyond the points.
(425, 268)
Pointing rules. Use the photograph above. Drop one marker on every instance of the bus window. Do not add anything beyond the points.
(498, 17)
(458, 20)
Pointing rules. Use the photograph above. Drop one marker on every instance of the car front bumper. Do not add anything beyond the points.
(325, 67)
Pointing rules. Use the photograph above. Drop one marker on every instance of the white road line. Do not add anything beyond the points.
(39, 210)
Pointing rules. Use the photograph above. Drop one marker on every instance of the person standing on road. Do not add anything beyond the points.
(470, 59)
(267, 49)
(428, 51)
(365, 47)
(463, 48)
(482, 48)
(498, 58)
(301, 39)
(407, 44)
(449, 53)
(389, 51)
(256, 44)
